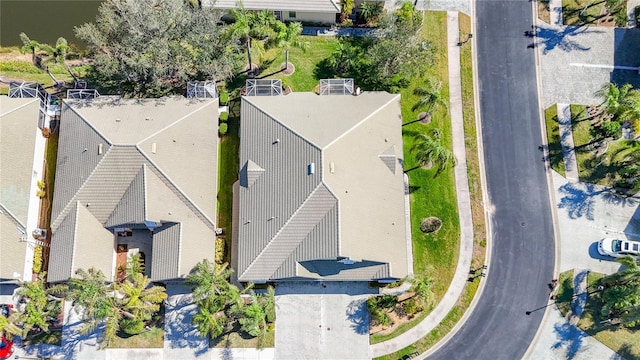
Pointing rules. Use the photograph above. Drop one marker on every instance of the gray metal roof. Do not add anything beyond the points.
(18, 132)
(124, 164)
(284, 5)
(166, 245)
(329, 167)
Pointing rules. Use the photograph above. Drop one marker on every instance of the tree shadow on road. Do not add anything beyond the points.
(562, 38)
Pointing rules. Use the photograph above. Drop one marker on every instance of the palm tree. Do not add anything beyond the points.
(139, 302)
(29, 46)
(210, 320)
(429, 150)
(41, 307)
(621, 294)
(8, 324)
(208, 280)
(430, 99)
(288, 36)
(347, 7)
(135, 265)
(93, 298)
(251, 25)
(370, 11)
(614, 97)
(421, 286)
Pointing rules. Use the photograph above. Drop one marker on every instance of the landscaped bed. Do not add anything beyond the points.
(622, 340)
(593, 12)
(601, 160)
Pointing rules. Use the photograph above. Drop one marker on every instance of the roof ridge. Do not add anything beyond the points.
(285, 226)
(66, 209)
(356, 125)
(13, 217)
(70, 107)
(178, 191)
(205, 104)
(19, 107)
(259, 108)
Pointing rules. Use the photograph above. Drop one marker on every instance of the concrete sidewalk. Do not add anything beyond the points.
(464, 207)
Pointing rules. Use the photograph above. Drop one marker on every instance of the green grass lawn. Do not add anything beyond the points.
(553, 139)
(308, 71)
(27, 71)
(435, 30)
(228, 163)
(565, 292)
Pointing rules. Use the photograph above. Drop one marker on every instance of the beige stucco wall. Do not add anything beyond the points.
(328, 18)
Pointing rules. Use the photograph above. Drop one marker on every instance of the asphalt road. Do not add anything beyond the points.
(522, 258)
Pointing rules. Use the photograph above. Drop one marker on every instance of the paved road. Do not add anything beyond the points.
(522, 258)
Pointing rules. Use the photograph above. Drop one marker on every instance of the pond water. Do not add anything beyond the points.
(44, 20)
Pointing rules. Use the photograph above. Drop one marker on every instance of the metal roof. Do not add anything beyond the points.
(123, 161)
(284, 5)
(330, 165)
(166, 245)
(18, 132)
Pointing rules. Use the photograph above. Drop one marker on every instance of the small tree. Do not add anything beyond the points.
(429, 151)
(139, 302)
(41, 307)
(430, 99)
(288, 36)
(347, 9)
(29, 46)
(370, 11)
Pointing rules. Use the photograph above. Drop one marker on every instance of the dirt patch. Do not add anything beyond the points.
(605, 18)
(544, 13)
(395, 320)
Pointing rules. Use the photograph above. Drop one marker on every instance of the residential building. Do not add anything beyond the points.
(316, 11)
(321, 193)
(21, 167)
(135, 176)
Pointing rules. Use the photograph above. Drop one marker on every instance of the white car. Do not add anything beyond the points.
(618, 248)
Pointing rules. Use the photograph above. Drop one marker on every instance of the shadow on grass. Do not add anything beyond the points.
(578, 16)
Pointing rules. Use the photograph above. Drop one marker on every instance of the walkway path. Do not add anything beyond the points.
(555, 8)
(566, 140)
(464, 206)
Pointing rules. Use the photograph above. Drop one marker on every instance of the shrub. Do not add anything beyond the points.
(219, 250)
(37, 259)
(132, 326)
(430, 225)
(223, 128)
(224, 116)
(224, 98)
(411, 307)
(40, 184)
(41, 193)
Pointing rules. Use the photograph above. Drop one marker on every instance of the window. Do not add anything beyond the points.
(292, 14)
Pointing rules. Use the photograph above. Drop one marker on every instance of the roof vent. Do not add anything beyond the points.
(100, 149)
(147, 118)
(311, 168)
(276, 141)
(117, 119)
(153, 148)
(332, 167)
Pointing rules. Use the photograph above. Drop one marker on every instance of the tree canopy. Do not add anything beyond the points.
(156, 46)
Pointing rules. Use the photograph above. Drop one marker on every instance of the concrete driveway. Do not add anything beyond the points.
(322, 320)
(586, 214)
